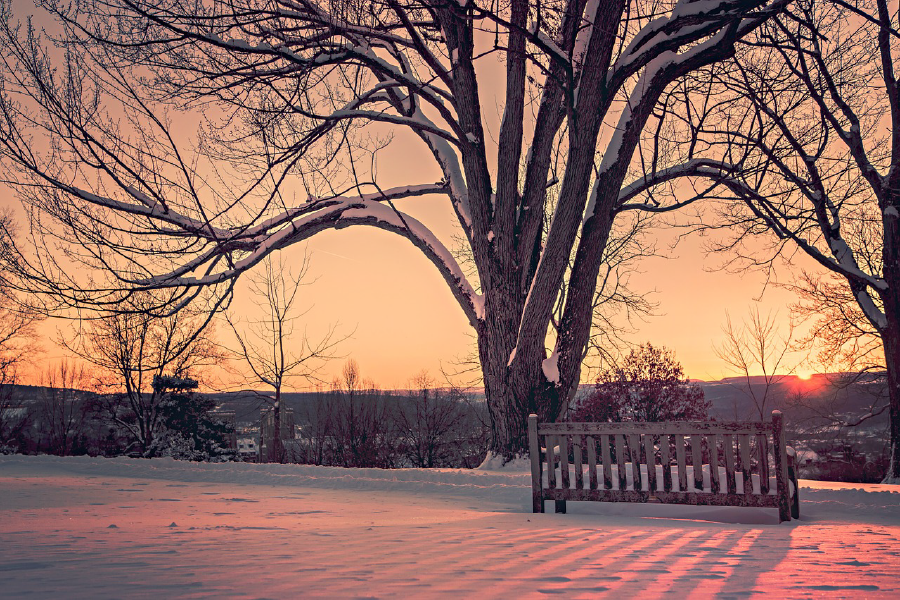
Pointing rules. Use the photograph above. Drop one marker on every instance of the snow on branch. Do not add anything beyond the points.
(387, 217)
(407, 191)
(448, 160)
(688, 22)
(614, 149)
(151, 209)
(251, 246)
(713, 169)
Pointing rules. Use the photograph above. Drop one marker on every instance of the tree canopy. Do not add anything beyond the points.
(648, 386)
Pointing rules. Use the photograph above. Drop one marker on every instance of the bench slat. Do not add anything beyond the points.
(674, 427)
(762, 446)
(600, 495)
(697, 460)
(550, 445)
(620, 461)
(703, 498)
(729, 464)
(579, 467)
(744, 441)
(712, 443)
(634, 449)
(666, 461)
(607, 463)
(592, 461)
(651, 462)
(682, 469)
(699, 499)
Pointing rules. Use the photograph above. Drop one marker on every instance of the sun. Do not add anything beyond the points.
(804, 374)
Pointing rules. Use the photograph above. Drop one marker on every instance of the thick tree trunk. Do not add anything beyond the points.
(890, 336)
(514, 386)
(892, 359)
(511, 397)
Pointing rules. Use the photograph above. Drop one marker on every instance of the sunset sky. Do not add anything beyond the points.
(404, 320)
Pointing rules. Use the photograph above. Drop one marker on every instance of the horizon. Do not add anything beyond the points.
(754, 380)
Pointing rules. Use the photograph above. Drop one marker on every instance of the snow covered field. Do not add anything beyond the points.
(128, 528)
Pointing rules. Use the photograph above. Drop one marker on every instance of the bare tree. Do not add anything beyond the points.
(300, 94)
(317, 436)
(269, 347)
(63, 406)
(131, 348)
(755, 350)
(427, 423)
(840, 334)
(18, 345)
(805, 132)
(363, 426)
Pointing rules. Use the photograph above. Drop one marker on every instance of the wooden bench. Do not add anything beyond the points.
(702, 463)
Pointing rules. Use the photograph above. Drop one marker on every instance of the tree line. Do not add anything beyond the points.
(352, 424)
(356, 425)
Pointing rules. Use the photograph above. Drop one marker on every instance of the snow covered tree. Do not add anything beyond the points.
(299, 97)
(649, 386)
(191, 430)
(805, 124)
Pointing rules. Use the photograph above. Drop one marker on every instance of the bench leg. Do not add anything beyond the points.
(560, 506)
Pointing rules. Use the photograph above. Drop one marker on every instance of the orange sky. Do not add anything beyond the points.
(405, 320)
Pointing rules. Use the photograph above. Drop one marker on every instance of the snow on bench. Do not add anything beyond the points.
(750, 461)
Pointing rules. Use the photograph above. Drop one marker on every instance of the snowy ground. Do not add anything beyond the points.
(122, 528)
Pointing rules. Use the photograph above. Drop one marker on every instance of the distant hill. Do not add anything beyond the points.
(731, 397)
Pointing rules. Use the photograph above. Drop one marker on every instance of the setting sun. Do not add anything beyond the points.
(804, 374)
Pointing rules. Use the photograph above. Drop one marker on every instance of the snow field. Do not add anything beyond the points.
(126, 528)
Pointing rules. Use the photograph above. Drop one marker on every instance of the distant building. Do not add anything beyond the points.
(267, 432)
(247, 449)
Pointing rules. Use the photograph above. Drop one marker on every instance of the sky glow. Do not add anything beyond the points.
(404, 320)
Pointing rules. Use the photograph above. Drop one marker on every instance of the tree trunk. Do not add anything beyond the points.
(515, 384)
(511, 397)
(276, 454)
(892, 360)
(890, 336)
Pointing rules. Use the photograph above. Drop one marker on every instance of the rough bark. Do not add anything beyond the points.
(891, 334)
